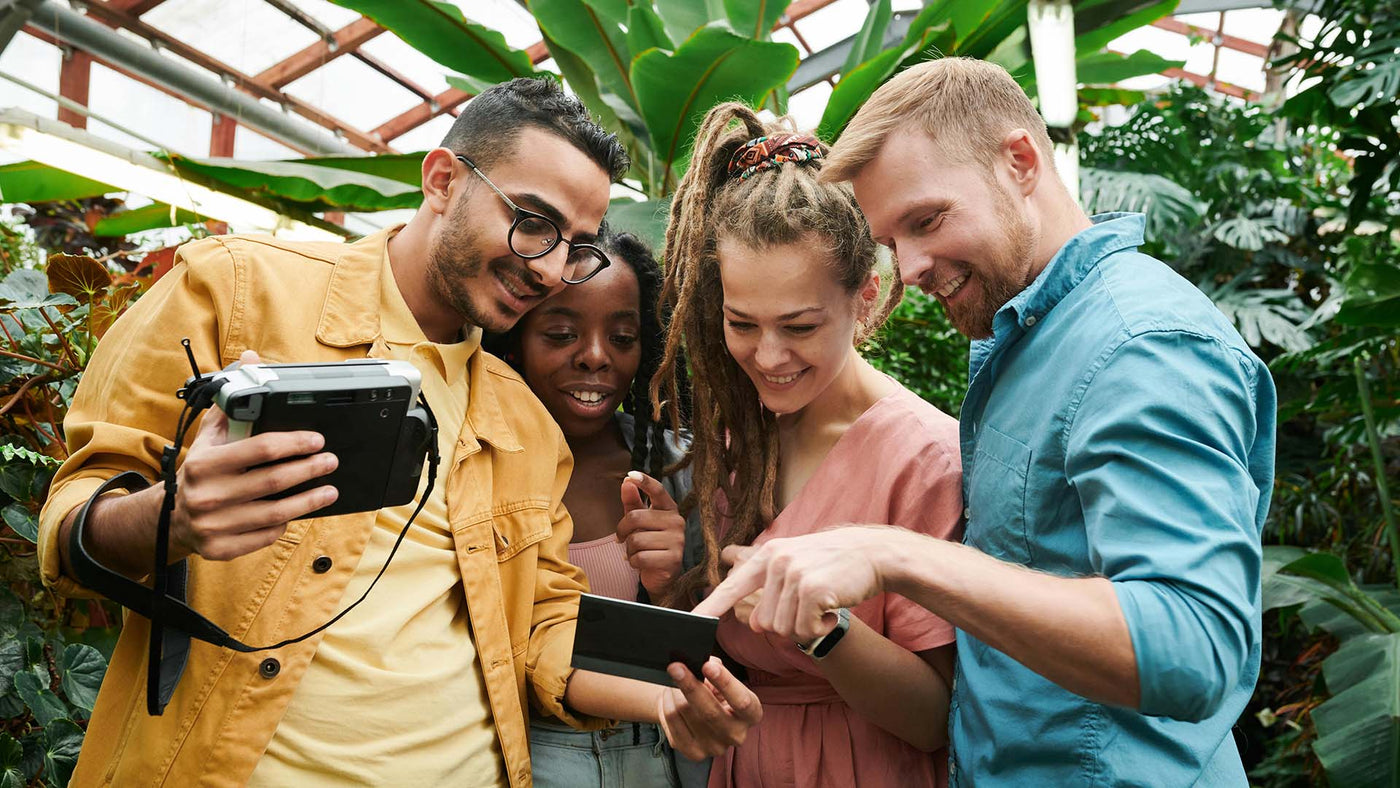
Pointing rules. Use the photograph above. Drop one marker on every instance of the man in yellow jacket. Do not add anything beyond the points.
(431, 680)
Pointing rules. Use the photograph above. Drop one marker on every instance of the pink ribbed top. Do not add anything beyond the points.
(604, 561)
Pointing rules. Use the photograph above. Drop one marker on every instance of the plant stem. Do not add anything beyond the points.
(32, 360)
(1382, 487)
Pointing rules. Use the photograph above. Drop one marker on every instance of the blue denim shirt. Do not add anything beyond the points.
(1117, 425)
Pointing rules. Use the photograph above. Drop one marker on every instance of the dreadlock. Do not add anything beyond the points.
(648, 446)
(735, 445)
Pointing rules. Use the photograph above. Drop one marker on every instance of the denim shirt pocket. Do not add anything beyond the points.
(996, 497)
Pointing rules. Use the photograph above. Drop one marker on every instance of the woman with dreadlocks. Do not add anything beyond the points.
(585, 351)
(772, 277)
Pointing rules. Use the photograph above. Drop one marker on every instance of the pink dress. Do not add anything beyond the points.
(898, 464)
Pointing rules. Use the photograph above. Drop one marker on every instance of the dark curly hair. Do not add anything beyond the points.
(486, 129)
(648, 447)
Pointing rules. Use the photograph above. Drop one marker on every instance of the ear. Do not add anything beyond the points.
(1022, 161)
(869, 295)
(439, 169)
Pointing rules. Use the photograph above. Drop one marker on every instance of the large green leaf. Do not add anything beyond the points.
(147, 218)
(595, 38)
(62, 741)
(19, 519)
(684, 17)
(404, 167)
(714, 65)
(646, 219)
(645, 30)
(1358, 728)
(11, 763)
(1117, 23)
(1372, 296)
(438, 30)
(1103, 68)
(30, 181)
(316, 188)
(931, 25)
(80, 673)
(871, 38)
(755, 18)
(11, 662)
(43, 704)
(1168, 205)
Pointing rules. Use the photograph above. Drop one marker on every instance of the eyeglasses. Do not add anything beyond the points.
(532, 236)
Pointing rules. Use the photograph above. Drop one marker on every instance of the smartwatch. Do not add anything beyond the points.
(819, 648)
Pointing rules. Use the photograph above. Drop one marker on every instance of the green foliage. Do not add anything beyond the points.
(1359, 725)
(922, 350)
(50, 321)
(1356, 94)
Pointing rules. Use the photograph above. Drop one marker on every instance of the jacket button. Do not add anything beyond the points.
(270, 668)
(321, 565)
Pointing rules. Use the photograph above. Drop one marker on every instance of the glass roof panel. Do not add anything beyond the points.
(248, 35)
(353, 92)
(514, 22)
(34, 62)
(250, 145)
(418, 67)
(836, 22)
(428, 135)
(179, 126)
(328, 14)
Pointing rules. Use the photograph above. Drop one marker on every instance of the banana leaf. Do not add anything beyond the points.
(683, 17)
(30, 181)
(646, 220)
(714, 65)
(305, 186)
(755, 18)
(594, 37)
(438, 30)
(149, 217)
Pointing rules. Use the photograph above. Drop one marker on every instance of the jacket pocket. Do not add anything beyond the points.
(996, 497)
(520, 528)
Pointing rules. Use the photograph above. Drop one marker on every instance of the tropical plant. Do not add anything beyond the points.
(1355, 58)
(53, 654)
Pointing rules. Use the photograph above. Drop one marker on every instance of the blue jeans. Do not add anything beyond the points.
(631, 755)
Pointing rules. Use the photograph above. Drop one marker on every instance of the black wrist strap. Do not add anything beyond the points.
(173, 621)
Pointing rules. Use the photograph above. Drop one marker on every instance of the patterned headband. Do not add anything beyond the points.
(762, 153)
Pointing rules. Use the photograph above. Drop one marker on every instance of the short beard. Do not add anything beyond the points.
(1005, 275)
(456, 266)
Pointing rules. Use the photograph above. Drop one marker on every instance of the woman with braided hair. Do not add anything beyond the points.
(772, 277)
(585, 351)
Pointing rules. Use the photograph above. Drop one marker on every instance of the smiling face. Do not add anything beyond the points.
(960, 235)
(471, 266)
(787, 322)
(580, 349)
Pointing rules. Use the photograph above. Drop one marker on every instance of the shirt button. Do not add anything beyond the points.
(967, 514)
(1030, 321)
(321, 565)
(269, 668)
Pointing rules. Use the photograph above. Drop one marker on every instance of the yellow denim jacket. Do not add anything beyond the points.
(307, 302)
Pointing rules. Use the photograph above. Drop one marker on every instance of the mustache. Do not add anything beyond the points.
(520, 278)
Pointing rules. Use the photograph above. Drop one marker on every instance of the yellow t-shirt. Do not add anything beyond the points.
(395, 694)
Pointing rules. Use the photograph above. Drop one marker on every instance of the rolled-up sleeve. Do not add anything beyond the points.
(558, 584)
(1160, 453)
(125, 408)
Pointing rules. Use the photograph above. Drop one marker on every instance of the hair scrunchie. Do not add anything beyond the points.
(763, 153)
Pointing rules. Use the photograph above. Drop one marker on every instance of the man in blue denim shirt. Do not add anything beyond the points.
(1118, 449)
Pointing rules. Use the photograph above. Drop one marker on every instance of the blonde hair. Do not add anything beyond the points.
(965, 106)
(734, 451)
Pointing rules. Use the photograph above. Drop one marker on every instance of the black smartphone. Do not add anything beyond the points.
(638, 641)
